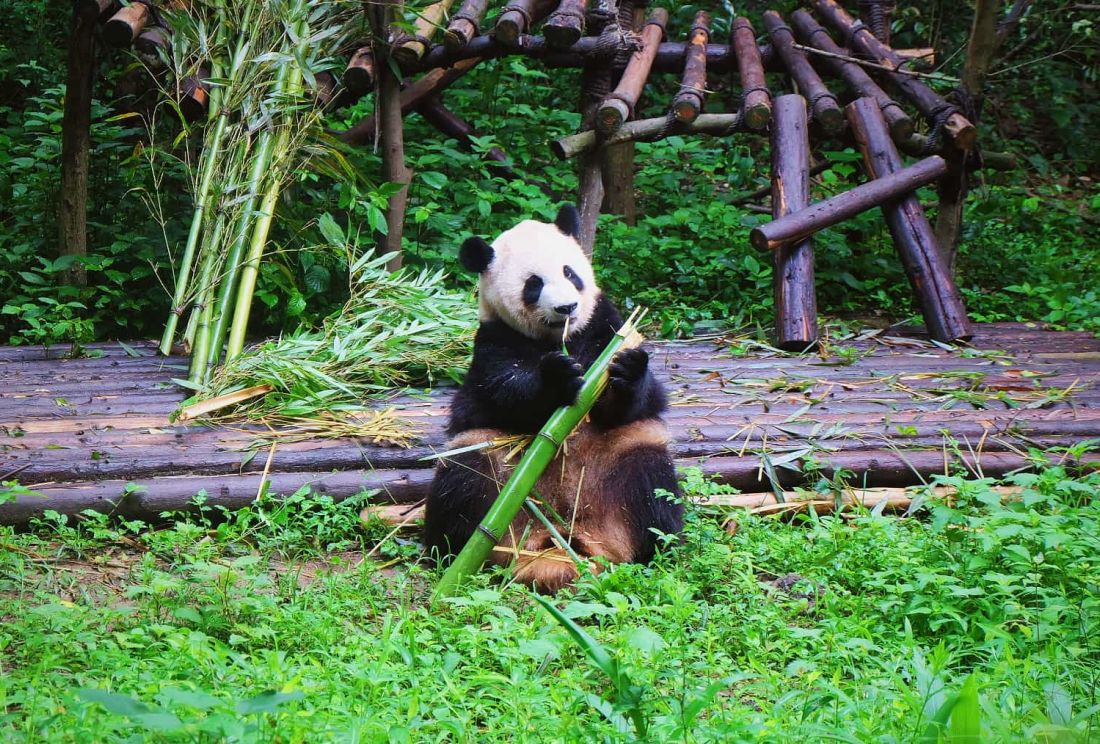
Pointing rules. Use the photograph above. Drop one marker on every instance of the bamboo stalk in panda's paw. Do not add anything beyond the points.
(541, 451)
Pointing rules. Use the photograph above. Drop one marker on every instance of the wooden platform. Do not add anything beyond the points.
(885, 409)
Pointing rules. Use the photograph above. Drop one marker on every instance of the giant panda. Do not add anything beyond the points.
(533, 279)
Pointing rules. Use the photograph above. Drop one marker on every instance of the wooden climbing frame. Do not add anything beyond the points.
(619, 46)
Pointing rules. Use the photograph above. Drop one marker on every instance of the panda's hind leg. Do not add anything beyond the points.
(464, 487)
(635, 496)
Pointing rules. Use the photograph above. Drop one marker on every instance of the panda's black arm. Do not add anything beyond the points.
(508, 386)
(632, 393)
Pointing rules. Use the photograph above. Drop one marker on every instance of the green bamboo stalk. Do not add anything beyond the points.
(206, 179)
(532, 507)
(211, 154)
(251, 268)
(541, 451)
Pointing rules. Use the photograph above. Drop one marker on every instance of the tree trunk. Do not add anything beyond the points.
(76, 142)
(953, 187)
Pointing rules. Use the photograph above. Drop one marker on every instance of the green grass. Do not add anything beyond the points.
(267, 627)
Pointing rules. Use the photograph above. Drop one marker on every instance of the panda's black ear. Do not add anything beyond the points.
(569, 221)
(475, 254)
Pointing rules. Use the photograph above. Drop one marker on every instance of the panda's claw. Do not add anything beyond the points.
(628, 368)
(562, 376)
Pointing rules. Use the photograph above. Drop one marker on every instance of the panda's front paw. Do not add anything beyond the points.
(628, 369)
(562, 377)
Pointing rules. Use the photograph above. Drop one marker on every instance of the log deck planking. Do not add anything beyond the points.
(79, 431)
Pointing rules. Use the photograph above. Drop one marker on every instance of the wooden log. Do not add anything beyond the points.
(589, 49)
(718, 125)
(917, 145)
(804, 222)
(325, 90)
(518, 17)
(147, 498)
(565, 26)
(619, 106)
(359, 75)
(795, 300)
(689, 101)
(153, 41)
(425, 87)
(406, 49)
(919, 55)
(935, 290)
(823, 104)
(125, 25)
(931, 105)
(756, 100)
(194, 97)
(465, 24)
(813, 34)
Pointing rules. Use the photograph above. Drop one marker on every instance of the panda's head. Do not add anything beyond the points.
(535, 276)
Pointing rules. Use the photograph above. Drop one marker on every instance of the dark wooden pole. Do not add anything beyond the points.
(756, 100)
(427, 86)
(693, 86)
(935, 290)
(823, 104)
(811, 33)
(617, 160)
(391, 133)
(465, 24)
(619, 106)
(566, 24)
(125, 25)
(805, 222)
(194, 96)
(932, 106)
(76, 122)
(795, 300)
(452, 125)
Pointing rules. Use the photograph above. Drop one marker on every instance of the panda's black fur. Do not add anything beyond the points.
(604, 484)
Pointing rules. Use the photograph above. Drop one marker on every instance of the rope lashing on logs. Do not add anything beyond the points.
(470, 18)
(877, 13)
(812, 100)
(749, 91)
(936, 124)
(522, 10)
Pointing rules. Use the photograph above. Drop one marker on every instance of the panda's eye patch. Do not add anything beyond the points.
(532, 288)
(573, 278)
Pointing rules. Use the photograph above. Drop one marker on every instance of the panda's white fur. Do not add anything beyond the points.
(543, 250)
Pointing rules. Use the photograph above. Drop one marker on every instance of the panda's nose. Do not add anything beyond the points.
(565, 309)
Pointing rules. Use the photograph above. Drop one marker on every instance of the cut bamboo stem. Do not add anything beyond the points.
(795, 299)
(823, 104)
(813, 34)
(688, 103)
(935, 290)
(756, 100)
(543, 448)
(619, 106)
(210, 405)
(805, 221)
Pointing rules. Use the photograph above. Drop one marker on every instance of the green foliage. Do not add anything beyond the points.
(976, 620)
(38, 306)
